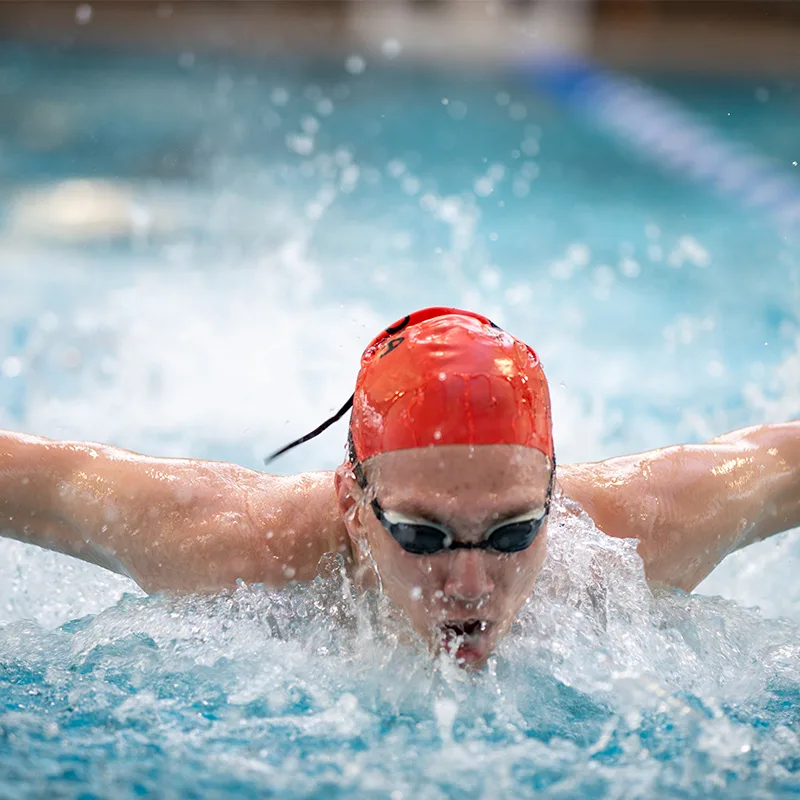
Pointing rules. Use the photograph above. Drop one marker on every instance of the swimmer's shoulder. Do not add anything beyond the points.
(610, 492)
(295, 520)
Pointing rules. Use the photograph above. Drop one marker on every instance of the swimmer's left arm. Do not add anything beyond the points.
(692, 505)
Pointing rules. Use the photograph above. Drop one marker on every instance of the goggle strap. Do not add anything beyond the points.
(316, 432)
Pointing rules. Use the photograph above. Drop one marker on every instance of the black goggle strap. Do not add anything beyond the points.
(316, 432)
(358, 470)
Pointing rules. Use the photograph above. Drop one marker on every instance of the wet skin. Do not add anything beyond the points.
(462, 599)
(199, 526)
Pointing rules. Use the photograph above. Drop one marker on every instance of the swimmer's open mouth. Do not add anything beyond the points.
(465, 629)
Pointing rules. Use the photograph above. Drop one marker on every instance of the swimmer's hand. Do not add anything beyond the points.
(689, 506)
(169, 524)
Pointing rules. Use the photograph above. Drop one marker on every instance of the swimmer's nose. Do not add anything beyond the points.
(467, 579)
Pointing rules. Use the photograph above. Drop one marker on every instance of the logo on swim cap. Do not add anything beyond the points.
(448, 376)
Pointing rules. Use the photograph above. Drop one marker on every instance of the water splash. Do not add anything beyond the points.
(600, 687)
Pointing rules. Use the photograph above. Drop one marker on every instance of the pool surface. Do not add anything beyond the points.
(193, 254)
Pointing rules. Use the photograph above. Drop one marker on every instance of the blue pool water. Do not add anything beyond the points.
(193, 254)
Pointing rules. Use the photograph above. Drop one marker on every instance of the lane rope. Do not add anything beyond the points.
(661, 129)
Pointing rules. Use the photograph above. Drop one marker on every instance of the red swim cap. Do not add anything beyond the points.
(446, 376)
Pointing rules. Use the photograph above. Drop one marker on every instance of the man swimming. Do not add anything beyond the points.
(443, 498)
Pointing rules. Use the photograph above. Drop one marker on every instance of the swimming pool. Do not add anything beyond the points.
(193, 254)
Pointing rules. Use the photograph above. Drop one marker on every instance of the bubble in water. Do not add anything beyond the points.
(186, 60)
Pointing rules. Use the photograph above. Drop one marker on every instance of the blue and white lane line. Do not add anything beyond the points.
(665, 132)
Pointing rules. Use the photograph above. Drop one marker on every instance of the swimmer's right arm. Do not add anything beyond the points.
(169, 524)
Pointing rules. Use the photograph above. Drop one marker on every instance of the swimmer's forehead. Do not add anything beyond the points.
(485, 478)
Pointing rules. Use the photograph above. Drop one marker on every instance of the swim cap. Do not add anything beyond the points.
(447, 376)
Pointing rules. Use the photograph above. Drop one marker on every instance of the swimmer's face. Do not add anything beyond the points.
(465, 599)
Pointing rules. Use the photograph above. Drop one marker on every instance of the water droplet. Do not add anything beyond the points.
(391, 48)
(630, 268)
(300, 144)
(457, 110)
(310, 125)
(395, 168)
(279, 97)
(411, 185)
(11, 367)
(445, 710)
(324, 107)
(83, 14)
(483, 186)
(355, 64)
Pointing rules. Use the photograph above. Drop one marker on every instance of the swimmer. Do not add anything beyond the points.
(443, 499)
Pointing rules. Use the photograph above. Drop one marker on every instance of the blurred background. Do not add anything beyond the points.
(208, 209)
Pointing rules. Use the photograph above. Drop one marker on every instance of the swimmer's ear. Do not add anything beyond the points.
(348, 492)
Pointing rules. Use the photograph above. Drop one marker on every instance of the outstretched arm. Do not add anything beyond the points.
(690, 506)
(169, 524)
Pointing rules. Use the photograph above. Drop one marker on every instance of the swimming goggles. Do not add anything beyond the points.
(428, 538)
